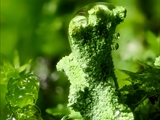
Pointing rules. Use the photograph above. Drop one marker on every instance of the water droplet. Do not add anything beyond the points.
(122, 15)
(82, 12)
(80, 21)
(89, 11)
(95, 6)
(115, 46)
(116, 36)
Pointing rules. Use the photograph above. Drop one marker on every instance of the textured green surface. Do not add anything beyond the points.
(143, 94)
(90, 67)
(21, 97)
(38, 31)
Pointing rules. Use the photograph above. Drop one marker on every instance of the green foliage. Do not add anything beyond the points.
(60, 110)
(145, 88)
(21, 96)
(37, 30)
(21, 89)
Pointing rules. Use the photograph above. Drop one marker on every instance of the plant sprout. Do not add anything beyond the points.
(94, 87)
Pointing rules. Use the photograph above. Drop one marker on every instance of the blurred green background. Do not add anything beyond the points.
(38, 29)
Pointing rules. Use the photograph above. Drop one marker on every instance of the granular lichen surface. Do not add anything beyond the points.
(90, 69)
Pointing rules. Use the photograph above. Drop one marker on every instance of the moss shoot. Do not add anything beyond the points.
(90, 69)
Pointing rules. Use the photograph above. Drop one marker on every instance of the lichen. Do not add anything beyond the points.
(90, 69)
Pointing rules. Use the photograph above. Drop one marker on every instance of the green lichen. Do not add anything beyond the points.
(93, 90)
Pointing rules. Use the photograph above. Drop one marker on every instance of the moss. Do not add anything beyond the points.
(90, 67)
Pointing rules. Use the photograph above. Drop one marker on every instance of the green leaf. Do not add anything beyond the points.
(60, 110)
(7, 70)
(22, 95)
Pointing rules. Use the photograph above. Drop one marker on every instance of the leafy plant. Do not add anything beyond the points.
(21, 90)
(145, 88)
(89, 67)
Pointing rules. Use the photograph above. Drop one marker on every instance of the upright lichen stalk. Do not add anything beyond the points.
(90, 69)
